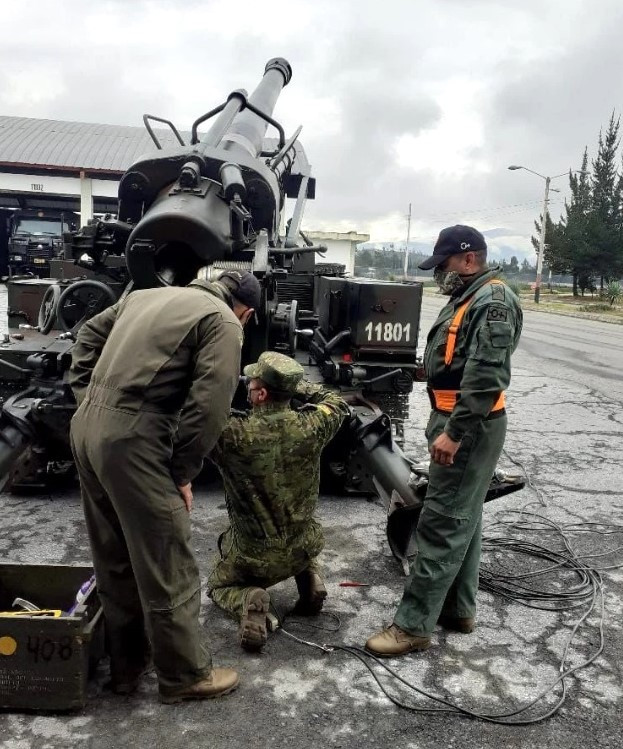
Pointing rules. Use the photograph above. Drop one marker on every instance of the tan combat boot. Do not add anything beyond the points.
(395, 641)
(312, 593)
(464, 624)
(253, 633)
(220, 682)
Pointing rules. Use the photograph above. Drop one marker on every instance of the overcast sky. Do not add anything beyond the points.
(402, 101)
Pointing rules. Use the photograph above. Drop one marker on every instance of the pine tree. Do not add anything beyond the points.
(575, 249)
(588, 241)
(604, 225)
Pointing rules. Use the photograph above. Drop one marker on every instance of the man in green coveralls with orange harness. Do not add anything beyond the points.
(468, 368)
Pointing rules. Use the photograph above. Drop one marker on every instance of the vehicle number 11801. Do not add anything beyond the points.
(389, 332)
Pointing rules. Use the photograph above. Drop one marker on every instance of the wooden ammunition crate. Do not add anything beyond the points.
(45, 661)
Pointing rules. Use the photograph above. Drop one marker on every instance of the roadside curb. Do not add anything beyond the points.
(532, 307)
(528, 306)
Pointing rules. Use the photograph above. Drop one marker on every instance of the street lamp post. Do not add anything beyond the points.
(405, 270)
(539, 260)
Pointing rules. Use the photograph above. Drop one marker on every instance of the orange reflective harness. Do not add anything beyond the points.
(445, 400)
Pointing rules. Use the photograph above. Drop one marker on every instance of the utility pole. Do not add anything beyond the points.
(406, 266)
(539, 260)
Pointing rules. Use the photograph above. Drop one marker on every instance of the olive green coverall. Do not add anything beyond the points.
(153, 377)
(270, 464)
(444, 573)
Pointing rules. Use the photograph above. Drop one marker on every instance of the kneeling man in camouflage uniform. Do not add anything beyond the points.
(270, 464)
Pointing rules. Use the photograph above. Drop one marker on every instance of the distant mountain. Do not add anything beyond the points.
(423, 247)
(493, 233)
(502, 243)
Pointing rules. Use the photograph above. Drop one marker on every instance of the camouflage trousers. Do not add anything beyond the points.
(444, 573)
(248, 564)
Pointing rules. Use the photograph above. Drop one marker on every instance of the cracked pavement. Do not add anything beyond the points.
(565, 428)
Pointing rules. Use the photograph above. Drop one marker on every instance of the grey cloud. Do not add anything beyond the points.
(558, 107)
(379, 101)
(378, 66)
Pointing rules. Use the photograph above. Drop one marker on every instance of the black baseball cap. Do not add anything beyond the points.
(245, 287)
(453, 241)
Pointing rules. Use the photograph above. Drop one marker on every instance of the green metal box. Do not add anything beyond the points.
(45, 661)
(382, 316)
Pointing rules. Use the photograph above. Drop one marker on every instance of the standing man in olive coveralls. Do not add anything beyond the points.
(468, 368)
(270, 464)
(153, 377)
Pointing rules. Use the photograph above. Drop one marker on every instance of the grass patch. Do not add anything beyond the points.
(597, 308)
(566, 304)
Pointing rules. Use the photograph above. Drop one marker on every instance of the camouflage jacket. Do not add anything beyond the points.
(481, 365)
(270, 464)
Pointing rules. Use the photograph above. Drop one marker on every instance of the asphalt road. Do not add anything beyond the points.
(568, 348)
(565, 405)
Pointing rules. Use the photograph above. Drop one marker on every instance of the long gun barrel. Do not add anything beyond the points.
(208, 201)
(247, 129)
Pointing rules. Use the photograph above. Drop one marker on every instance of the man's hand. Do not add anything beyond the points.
(186, 494)
(443, 450)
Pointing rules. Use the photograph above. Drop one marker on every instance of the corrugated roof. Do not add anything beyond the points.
(56, 144)
(75, 145)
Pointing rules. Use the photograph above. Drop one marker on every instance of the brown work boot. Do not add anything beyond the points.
(464, 624)
(253, 633)
(395, 641)
(220, 682)
(312, 593)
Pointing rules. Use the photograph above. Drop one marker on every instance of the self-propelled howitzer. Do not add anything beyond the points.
(216, 203)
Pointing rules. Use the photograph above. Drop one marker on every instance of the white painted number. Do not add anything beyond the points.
(388, 332)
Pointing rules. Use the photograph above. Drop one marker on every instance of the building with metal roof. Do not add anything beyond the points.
(73, 147)
(57, 164)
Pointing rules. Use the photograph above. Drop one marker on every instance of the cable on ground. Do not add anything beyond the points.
(563, 580)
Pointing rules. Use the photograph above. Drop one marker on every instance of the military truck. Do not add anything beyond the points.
(35, 237)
